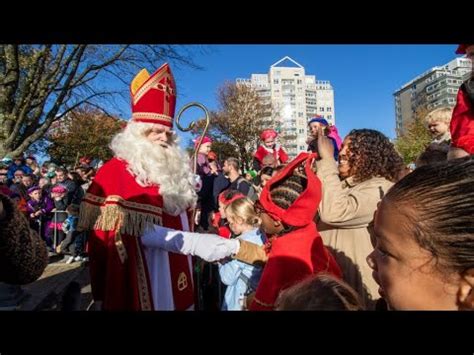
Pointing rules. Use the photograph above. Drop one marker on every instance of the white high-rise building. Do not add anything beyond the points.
(434, 88)
(295, 98)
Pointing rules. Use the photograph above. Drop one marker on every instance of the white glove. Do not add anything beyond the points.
(209, 247)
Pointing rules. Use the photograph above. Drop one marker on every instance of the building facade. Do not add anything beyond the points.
(432, 89)
(295, 98)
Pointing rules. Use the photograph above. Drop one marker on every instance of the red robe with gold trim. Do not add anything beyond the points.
(118, 210)
(293, 257)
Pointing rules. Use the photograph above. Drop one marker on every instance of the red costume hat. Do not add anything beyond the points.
(154, 97)
(268, 133)
(212, 156)
(462, 48)
(59, 189)
(232, 199)
(304, 208)
(462, 123)
(85, 160)
(205, 140)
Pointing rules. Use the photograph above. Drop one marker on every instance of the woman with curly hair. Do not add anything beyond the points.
(368, 167)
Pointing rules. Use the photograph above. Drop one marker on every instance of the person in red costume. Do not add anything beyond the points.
(287, 207)
(269, 146)
(148, 183)
(462, 122)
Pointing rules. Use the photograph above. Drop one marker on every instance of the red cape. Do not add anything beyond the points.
(293, 257)
(117, 211)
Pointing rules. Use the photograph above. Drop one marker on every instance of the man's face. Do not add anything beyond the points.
(3, 176)
(27, 181)
(42, 182)
(29, 161)
(160, 135)
(60, 176)
(18, 162)
(18, 176)
(226, 167)
(438, 128)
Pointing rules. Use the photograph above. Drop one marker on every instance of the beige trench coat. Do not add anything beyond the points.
(345, 211)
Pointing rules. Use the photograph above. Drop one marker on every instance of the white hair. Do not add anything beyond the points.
(152, 164)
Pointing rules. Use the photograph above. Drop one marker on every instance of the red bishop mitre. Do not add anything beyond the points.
(154, 97)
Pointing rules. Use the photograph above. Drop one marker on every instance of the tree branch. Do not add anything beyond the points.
(45, 126)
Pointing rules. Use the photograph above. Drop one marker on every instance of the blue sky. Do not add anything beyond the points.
(364, 77)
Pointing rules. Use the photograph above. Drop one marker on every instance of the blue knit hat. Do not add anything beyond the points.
(319, 119)
(33, 189)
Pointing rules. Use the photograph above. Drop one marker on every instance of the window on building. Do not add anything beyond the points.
(299, 81)
(328, 109)
(301, 147)
(275, 81)
(301, 131)
(329, 117)
(300, 114)
(321, 109)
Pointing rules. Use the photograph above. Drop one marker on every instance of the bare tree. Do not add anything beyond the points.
(240, 118)
(40, 84)
(84, 132)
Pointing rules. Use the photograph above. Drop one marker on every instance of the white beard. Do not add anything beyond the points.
(151, 164)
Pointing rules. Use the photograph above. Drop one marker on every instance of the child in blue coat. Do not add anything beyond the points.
(241, 278)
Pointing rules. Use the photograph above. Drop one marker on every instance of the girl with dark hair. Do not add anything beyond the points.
(368, 167)
(424, 239)
(322, 292)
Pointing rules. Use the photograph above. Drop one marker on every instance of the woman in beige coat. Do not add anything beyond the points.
(368, 167)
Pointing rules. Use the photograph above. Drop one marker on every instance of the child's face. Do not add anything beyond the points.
(269, 142)
(269, 226)
(236, 224)
(404, 271)
(205, 148)
(438, 128)
(35, 195)
(314, 128)
(264, 179)
(222, 210)
(58, 195)
(42, 182)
